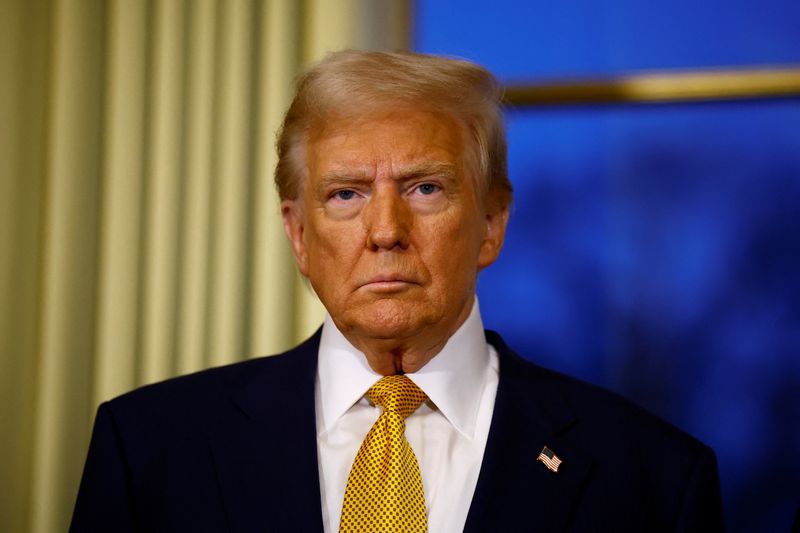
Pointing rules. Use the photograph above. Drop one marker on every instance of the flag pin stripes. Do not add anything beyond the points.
(549, 459)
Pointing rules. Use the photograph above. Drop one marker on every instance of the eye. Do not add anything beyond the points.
(345, 194)
(428, 188)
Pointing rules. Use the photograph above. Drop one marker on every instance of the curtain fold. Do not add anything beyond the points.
(141, 233)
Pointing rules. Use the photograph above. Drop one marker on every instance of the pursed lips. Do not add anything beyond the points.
(388, 281)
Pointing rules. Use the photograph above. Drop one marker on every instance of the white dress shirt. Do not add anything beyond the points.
(447, 433)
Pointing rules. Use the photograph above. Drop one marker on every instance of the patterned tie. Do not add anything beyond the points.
(384, 490)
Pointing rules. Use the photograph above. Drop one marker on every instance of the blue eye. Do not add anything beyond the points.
(345, 194)
(428, 188)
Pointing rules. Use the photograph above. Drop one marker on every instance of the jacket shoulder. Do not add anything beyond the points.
(208, 393)
(664, 477)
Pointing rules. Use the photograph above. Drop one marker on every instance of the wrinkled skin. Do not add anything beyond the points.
(391, 231)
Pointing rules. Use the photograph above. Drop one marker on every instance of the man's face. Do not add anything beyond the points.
(389, 228)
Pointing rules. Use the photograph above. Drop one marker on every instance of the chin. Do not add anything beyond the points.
(390, 319)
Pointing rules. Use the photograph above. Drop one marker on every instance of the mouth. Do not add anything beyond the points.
(386, 283)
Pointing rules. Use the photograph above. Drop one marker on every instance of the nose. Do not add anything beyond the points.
(388, 220)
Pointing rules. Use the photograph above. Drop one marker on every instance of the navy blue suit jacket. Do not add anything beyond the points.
(234, 449)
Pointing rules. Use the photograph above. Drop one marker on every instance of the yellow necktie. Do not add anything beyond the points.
(384, 490)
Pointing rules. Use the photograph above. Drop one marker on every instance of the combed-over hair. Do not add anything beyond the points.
(354, 83)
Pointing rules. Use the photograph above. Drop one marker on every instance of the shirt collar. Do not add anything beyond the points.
(453, 380)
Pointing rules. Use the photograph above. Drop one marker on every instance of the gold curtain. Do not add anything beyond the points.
(140, 235)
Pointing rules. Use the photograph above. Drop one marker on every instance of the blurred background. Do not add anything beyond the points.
(653, 249)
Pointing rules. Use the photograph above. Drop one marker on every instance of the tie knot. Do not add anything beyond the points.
(396, 394)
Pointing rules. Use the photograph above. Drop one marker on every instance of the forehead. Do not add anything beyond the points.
(381, 141)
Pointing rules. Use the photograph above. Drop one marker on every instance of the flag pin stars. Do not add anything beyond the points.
(549, 459)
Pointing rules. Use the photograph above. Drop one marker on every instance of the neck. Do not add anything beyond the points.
(388, 357)
(407, 355)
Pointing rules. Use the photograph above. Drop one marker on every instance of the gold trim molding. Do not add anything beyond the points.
(662, 87)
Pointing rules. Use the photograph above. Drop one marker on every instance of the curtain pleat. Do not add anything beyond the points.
(69, 268)
(117, 339)
(231, 183)
(141, 232)
(200, 93)
(25, 42)
(273, 276)
(163, 182)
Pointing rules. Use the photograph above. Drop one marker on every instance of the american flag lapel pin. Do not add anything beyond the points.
(549, 459)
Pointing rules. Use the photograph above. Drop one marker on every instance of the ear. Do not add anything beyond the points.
(294, 226)
(496, 222)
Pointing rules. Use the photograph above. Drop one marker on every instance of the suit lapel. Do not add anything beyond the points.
(515, 491)
(266, 456)
(271, 483)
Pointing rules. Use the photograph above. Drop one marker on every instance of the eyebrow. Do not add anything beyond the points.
(421, 170)
(410, 172)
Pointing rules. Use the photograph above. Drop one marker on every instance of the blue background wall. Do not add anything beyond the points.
(655, 250)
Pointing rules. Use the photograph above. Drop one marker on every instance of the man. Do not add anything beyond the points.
(401, 414)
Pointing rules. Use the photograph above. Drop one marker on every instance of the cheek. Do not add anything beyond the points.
(332, 249)
(453, 251)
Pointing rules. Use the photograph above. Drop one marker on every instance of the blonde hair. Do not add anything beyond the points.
(353, 83)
